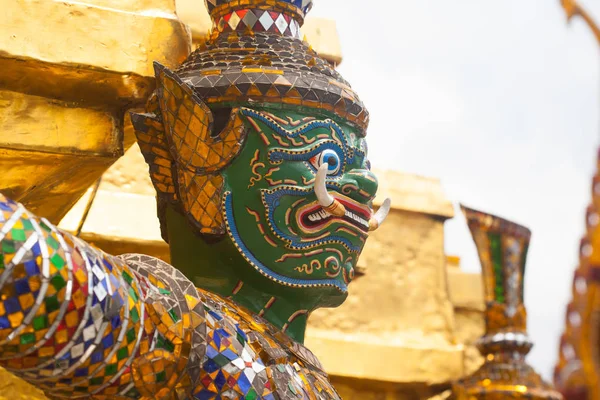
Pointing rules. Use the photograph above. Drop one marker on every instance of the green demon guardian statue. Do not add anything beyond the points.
(256, 149)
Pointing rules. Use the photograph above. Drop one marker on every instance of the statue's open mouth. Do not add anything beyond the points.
(313, 218)
(335, 207)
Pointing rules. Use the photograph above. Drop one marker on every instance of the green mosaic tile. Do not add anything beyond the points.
(135, 316)
(252, 395)
(19, 235)
(8, 246)
(122, 353)
(241, 339)
(40, 322)
(130, 335)
(174, 315)
(27, 224)
(161, 376)
(221, 360)
(45, 227)
(110, 369)
(27, 338)
(522, 266)
(133, 294)
(496, 253)
(53, 243)
(57, 261)
(127, 277)
(58, 282)
(52, 304)
(291, 388)
(168, 345)
(98, 380)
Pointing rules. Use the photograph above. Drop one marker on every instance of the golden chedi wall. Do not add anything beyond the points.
(466, 294)
(69, 72)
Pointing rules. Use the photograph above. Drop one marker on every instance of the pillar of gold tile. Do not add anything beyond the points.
(502, 246)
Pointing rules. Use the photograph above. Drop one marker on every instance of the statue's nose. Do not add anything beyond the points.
(360, 185)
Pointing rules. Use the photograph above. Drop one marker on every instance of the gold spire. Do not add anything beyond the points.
(577, 374)
(572, 8)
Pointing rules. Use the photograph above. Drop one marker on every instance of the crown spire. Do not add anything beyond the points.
(283, 17)
(217, 6)
(255, 54)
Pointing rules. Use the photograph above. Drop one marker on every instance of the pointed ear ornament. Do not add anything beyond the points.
(184, 155)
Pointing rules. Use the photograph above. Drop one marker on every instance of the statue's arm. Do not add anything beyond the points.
(75, 321)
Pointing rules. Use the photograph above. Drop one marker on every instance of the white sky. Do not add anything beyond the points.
(500, 101)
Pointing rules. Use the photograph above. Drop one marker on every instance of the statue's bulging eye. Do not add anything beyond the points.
(329, 157)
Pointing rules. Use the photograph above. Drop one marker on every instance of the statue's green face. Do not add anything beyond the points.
(271, 209)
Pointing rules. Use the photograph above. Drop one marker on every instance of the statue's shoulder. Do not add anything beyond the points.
(161, 276)
(244, 356)
(253, 356)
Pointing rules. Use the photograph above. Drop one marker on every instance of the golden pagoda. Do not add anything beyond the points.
(65, 90)
(577, 373)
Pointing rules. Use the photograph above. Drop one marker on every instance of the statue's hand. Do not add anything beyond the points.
(77, 321)
(71, 317)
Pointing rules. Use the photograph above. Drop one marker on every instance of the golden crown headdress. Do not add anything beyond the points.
(253, 56)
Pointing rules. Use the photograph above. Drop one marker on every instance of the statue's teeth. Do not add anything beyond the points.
(317, 216)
